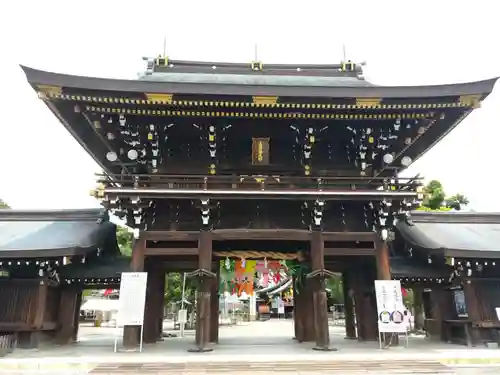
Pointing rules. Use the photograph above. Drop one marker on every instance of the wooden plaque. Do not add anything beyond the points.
(260, 151)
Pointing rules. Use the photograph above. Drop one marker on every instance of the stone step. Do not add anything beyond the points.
(292, 367)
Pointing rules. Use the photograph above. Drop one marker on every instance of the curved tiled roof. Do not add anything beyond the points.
(257, 84)
(55, 233)
(454, 233)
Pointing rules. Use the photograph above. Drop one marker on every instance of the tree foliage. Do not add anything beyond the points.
(334, 284)
(457, 201)
(435, 199)
(124, 238)
(434, 195)
(173, 288)
(3, 204)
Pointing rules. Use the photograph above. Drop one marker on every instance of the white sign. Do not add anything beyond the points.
(390, 306)
(497, 310)
(132, 299)
(182, 316)
(281, 307)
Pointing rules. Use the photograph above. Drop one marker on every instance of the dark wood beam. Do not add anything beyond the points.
(257, 234)
(168, 251)
(329, 251)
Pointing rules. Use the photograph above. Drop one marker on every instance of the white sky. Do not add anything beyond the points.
(403, 42)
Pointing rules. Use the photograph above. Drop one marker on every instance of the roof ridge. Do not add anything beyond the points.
(54, 215)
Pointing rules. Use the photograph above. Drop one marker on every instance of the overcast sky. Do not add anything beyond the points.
(403, 42)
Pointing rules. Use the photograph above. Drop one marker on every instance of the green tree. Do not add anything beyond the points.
(457, 201)
(334, 284)
(124, 238)
(434, 195)
(3, 204)
(173, 288)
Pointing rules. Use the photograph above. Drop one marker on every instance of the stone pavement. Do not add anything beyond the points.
(257, 347)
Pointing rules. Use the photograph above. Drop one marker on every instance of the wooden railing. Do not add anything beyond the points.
(259, 182)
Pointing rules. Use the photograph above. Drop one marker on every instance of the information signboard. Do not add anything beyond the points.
(132, 299)
(281, 307)
(390, 307)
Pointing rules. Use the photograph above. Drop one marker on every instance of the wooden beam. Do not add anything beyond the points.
(168, 251)
(257, 234)
(331, 251)
(170, 235)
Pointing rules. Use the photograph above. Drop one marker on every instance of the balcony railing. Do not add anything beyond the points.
(257, 187)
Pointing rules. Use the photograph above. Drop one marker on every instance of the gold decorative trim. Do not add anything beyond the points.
(294, 115)
(260, 151)
(159, 98)
(265, 100)
(256, 66)
(168, 100)
(98, 192)
(368, 102)
(255, 254)
(46, 91)
(473, 101)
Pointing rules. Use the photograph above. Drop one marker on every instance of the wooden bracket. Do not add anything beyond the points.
(202, 274)
(321, 273)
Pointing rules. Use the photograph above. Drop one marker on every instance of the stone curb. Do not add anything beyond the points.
(88, 366)
(469, 361)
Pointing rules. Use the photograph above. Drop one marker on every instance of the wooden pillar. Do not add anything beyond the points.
(298, 327)
(161, 304)
(151, 309)
(131, 333)
(36, 312)
(472, 304)
(384, 273)
(307, 311)
(357, 287)
(371, 316)
(206, 278)
(350, 326)
(319, 294)
(418, 307)
(442, 307)
(76, 319)
(66, 315)
(214, 311)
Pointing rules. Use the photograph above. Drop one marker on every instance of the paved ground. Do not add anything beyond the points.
(257, 348)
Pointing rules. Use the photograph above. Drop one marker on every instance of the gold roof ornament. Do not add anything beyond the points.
(256, 66)
(265, 100)
(98, 192)
(160, 98)
(368, 102)
(47, 91)
(473, 101)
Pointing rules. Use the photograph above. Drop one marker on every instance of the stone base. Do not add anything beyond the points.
(324, 349)
(350, 338)
(200, 350)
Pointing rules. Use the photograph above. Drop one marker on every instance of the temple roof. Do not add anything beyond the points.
(455, 234)
(55, 233)
(280, 83)
(106, 269)
(407, 267)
